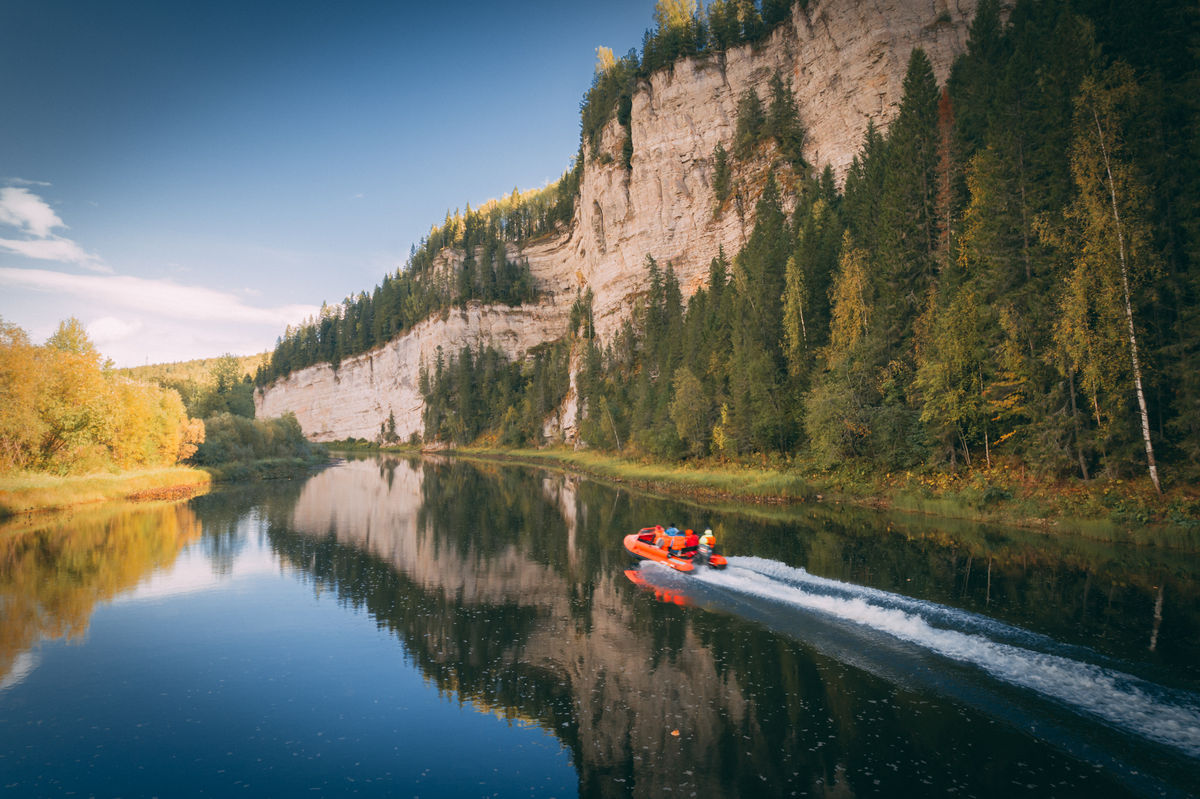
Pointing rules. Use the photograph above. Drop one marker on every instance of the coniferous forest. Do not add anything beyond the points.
(1009, 275)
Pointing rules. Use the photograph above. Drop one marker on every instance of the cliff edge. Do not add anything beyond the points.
(846, 60)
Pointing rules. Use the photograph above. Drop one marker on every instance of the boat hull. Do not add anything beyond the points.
(637, 546)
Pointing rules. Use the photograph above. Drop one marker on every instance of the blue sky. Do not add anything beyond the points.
(188, 177)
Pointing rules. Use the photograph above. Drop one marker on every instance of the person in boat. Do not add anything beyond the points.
(668, 537)
(708, 545)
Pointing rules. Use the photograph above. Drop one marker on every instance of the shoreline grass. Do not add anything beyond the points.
(1118, 511)
(264, 468)
(35, 493)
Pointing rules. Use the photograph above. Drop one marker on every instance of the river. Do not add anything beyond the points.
(435, 627)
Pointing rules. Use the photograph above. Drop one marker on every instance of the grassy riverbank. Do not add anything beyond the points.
(33, 493)
(28, 493)
(1116, 510)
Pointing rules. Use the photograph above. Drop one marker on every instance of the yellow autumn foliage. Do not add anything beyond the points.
(62, 411)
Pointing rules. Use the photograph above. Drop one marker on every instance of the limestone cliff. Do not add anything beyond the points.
(846, 60)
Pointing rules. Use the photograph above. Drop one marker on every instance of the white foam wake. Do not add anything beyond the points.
(1170, 717)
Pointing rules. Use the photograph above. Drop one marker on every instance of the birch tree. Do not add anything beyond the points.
(1114, 251)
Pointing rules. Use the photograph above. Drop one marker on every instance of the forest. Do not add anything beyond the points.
(425, 286)
(64, 411)
(1008, 276)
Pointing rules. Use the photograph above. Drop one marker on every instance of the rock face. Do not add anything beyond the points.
(846, 60)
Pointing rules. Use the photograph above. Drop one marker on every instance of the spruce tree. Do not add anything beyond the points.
(908, 220)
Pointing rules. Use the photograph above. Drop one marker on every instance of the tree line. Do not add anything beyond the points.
(1009, 274)
(64, 411)
(420, 289)
(207, 386)
(682, 29)
(221, 393)
(481, 391)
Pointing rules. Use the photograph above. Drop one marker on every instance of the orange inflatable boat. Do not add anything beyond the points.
(682, 552)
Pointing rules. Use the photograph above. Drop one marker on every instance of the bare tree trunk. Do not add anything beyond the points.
(1075, 424)
(1133, 348)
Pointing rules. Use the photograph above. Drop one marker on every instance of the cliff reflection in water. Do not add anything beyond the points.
(508, 589)
(53, 576)
(475, 573)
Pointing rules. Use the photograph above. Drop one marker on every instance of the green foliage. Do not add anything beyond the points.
(235, 439)
(208, 386)
(783, 122)
(429, 284)
(478, 393)
(751, 123)
(722, 177)
(962, 298)
(611, 94)
(691, 410)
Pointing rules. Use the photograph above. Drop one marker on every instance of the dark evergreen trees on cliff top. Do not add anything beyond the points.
(1010, 274)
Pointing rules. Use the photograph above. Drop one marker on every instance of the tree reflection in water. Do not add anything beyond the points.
(508, 589)
(54, 575)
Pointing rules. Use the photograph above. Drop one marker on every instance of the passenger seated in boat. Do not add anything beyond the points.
(685, 544)
(679, 547)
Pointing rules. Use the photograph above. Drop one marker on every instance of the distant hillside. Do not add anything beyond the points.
(208, 386)
(201, 370)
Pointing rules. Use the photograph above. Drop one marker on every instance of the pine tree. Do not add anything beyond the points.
(908, 219)
(783, 122)
(751, 119)
(722, 179)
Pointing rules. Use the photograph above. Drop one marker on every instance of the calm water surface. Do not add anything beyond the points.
(435, 628)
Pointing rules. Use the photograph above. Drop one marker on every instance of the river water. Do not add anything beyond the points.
(434, 627)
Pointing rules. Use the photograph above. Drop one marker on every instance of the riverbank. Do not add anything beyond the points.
(1117, 511)
(33, 493)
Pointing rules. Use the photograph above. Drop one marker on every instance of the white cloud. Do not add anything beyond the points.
(23, 209)
(33, 216)
(135, 321)
(159, 297)
(55, 249)
(109, 329)
(24, 182)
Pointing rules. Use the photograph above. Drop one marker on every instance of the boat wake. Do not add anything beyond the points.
(1015, 657)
